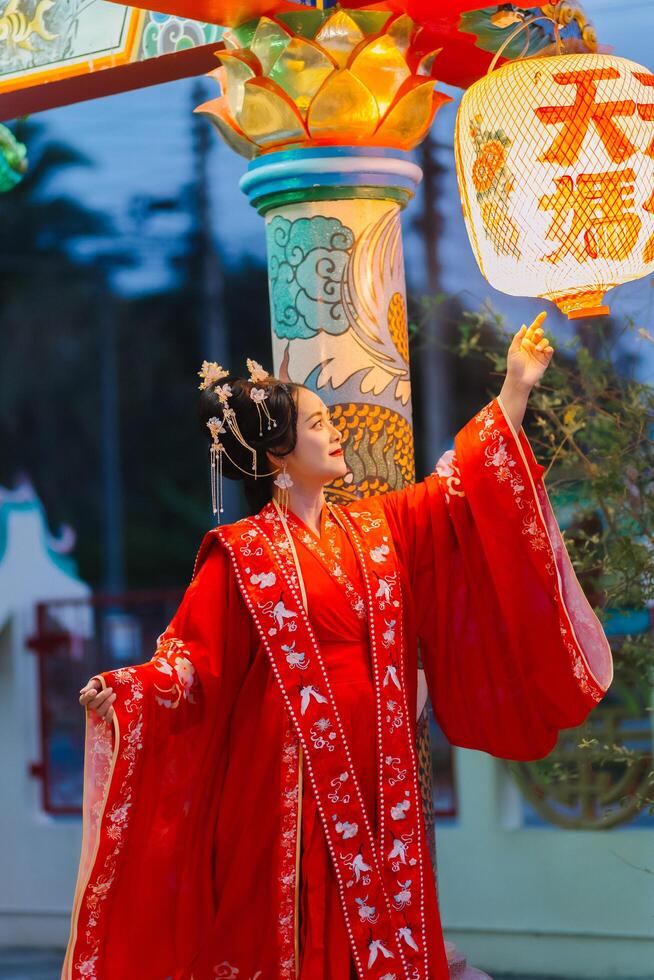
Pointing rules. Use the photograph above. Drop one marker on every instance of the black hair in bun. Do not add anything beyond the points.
(280, 439)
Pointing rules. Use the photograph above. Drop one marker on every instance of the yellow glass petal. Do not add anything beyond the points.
(218, 115)
(426, 63)
(343, 107)
(300, 70)
(339, 36)
(400, 32)
(303, 23)
(268, 42)
(268, 115)
(370, 21)
(382, 69)
(411, 115)
(239, 67)
(244, 32)
(218, 75)
(230, 41)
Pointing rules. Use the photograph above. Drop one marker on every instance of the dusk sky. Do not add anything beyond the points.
(140, 144)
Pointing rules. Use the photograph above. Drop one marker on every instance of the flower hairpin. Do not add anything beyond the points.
(211, 373)
(216, 427)
(257, 372)
(223, 393)
(259, 395)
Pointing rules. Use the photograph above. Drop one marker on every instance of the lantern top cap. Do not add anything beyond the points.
(556, 60)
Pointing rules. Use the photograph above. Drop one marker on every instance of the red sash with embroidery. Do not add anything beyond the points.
(381, 881)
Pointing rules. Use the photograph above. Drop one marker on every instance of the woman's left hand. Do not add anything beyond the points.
(529, 356)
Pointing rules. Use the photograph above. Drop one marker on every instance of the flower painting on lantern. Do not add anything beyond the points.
(555, 160)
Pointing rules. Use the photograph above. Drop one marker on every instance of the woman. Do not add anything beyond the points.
(252, 809)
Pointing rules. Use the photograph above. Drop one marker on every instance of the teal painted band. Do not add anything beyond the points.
(327, 152)
(278, 199)
(314, 168)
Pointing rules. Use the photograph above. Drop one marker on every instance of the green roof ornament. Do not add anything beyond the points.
(13, 160)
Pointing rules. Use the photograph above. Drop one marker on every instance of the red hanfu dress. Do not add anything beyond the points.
(253, 812)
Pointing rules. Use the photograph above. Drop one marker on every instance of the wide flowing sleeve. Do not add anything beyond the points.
(151, 783)
(511, 648)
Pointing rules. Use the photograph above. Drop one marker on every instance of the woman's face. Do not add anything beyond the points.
(317, 458)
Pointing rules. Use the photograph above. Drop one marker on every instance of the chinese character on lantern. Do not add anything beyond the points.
(593, 218)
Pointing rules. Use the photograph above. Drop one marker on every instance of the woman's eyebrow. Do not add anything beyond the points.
(309, 417)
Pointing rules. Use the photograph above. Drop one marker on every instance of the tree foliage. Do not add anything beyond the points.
(591, 423)
(58, 297)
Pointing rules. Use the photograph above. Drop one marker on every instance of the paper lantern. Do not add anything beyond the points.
(555, 160)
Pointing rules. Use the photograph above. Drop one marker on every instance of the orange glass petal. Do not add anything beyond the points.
(411, 115)
(269, 40)
(216, 112)
(400, 31)
(426, 63)
(344, 108)
(239, 67)
(382, 68)
(300, 70)
(268, 116)
(339, 36)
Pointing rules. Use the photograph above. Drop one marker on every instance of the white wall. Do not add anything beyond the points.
(550, 901)
(39, 853)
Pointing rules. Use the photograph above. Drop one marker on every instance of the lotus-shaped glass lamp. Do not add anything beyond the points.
(320, 78)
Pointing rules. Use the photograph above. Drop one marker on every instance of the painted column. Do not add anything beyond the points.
(338, 311)
(338, 296)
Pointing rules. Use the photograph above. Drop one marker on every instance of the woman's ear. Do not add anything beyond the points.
(274, 462)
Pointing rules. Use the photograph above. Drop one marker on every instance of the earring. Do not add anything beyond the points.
(283, 481)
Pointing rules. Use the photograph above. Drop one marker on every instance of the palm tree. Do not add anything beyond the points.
(49, 304)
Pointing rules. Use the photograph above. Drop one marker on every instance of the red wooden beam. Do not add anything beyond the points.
(109, 81)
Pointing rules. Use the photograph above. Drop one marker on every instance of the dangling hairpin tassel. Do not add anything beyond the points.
(216, 428)
(224, 393)
(259, 395)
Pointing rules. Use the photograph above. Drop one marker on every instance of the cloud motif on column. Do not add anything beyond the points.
(308, 261)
